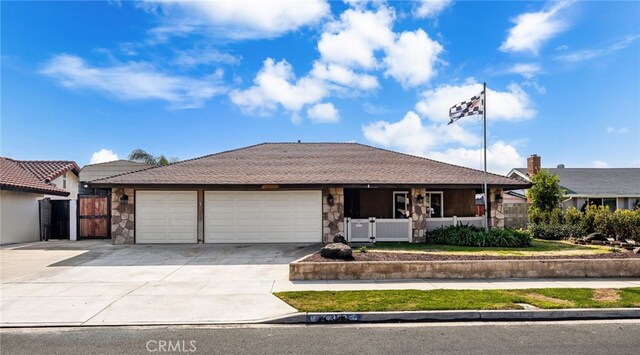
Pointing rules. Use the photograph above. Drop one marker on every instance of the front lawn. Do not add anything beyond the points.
(537, 247)
(417, 300)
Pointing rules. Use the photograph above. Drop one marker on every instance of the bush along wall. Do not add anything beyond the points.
(465, 235)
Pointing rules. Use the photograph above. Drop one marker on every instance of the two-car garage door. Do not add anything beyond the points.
(230, 216)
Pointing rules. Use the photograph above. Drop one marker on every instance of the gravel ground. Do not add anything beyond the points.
(383, 256)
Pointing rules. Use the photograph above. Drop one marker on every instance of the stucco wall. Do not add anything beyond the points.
(19, 218)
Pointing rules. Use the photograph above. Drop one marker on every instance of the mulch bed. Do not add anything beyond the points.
(382, 256)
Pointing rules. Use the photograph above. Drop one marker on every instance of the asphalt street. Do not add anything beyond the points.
(585, 337)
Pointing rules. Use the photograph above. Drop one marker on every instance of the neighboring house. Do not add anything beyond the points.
(617, 188)
(22, 185)
(297, 192)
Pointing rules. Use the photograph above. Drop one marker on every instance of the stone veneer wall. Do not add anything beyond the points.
(122, 219)
(497, 209)
(418, 215)
(332, 215)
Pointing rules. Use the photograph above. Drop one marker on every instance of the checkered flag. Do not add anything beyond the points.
(475, 106)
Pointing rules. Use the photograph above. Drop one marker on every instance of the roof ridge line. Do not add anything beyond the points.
(178, 162)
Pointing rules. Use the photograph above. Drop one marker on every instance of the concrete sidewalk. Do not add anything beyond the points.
(457, 284)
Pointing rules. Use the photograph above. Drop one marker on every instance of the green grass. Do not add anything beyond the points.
(538, 247)
(416, 300)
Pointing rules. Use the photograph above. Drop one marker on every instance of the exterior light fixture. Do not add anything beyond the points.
(498, 198)
(420, 199)
(124, 199)
(330, 199)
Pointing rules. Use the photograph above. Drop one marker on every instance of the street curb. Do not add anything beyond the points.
(456, 316)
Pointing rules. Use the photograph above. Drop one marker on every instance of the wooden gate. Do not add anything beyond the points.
(94, 216)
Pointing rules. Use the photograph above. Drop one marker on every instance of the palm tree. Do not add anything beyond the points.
(143, 156)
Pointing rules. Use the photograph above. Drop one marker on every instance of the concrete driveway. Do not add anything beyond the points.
(95, 283)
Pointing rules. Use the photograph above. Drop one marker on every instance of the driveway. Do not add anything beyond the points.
(96, 283)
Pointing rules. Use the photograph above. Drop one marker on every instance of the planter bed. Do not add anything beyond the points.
(395, 256)
(378, 265)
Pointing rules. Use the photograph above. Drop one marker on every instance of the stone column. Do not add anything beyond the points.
(418, 214)
(497, 209)
(332, 215)
(122, 219)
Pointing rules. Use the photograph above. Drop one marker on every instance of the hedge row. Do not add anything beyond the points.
(620, 224)
(465, 235)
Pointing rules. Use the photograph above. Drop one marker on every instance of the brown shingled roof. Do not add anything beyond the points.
(309, 164)
(14, 177)
(47, 170)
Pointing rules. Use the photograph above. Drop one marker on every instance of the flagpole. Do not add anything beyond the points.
(485, 220)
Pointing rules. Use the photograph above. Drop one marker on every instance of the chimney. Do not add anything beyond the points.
(533, 164)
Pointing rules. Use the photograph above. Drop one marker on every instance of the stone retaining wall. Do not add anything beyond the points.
(468, 269)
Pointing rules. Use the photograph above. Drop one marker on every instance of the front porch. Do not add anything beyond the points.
(402, 214)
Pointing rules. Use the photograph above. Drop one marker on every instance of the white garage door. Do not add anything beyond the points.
(166, 217)
(262, 216)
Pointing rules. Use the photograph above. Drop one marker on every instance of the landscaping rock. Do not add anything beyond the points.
(595, 236)
(636, 250)
(598, 242)
(337, 251)
(339, 239)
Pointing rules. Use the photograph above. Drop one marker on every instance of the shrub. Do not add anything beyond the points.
(556, 231)
(539, 216)
(465, 235)
(573, 216)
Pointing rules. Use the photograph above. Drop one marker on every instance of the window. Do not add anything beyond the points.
(400, 204)
(64, 184)
(610, 202)
(434, 204)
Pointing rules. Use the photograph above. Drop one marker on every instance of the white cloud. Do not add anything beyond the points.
(527, 70)
(501, 157)
(589, 54)
(133, 81)
(533, 29)
(344, 76)
(275, 85)
(621, 130)
(354, 38)
(242, 19)
(323, 113)
(411, 59)
(193, 58)
(103, 156)
(600, 164)
(411, 135)
(511, 105)
(430, 8)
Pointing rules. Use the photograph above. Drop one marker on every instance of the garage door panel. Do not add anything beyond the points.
(263, 216)
(166, 217)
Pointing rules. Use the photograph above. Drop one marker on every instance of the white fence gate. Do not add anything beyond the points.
(369, 230)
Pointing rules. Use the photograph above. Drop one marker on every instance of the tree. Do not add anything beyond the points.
(546, 192)
(143, 156)
(546, 197)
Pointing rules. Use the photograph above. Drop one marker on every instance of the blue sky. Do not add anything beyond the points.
(89, 81)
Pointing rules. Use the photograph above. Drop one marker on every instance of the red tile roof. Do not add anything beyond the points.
(14, 177)
(47, 170)
(309, 164)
